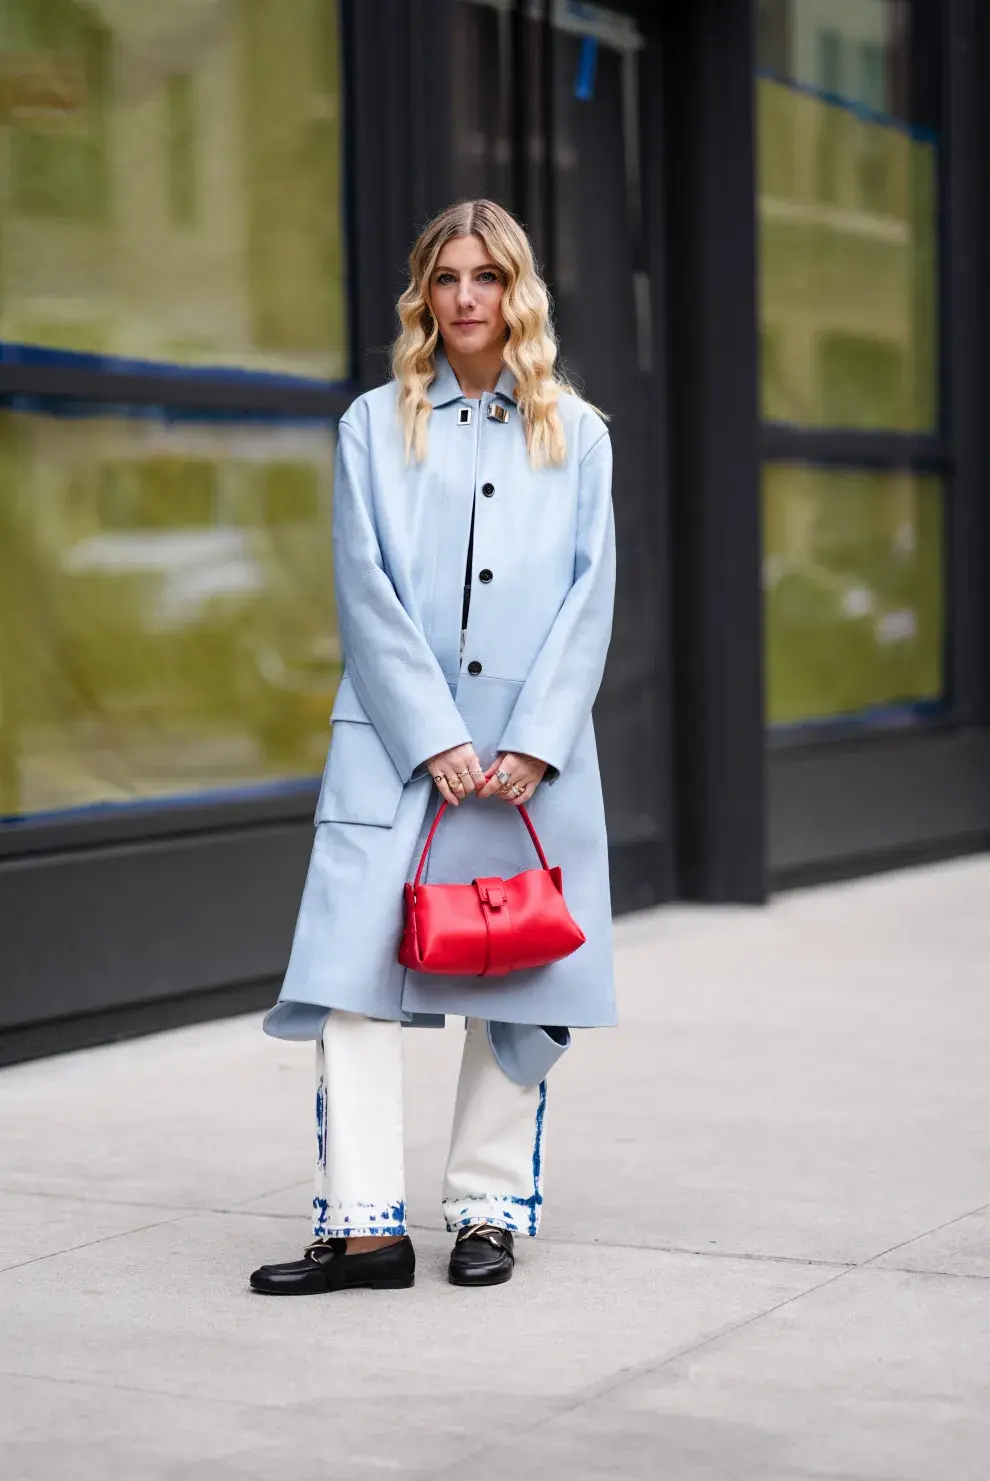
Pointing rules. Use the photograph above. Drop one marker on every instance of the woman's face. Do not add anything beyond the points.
(466, 297)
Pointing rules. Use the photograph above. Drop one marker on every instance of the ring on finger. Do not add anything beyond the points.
(517, 791)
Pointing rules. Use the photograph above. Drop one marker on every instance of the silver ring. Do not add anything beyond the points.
(503, 777)
(516, 790)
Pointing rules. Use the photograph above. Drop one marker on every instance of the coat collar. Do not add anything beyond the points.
(445, 387)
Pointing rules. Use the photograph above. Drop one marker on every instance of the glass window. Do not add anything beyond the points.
(166, 608)
(848, 108)
(848, 215)
(172, 188)
(853, 564)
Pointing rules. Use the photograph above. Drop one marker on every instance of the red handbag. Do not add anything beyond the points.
(490, 926)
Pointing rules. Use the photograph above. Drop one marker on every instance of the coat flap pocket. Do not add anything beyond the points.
(360, 783)
(346, 705)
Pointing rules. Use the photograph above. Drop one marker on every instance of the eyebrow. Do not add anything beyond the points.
(483, 267)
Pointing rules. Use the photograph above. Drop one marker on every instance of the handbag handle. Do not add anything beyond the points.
(436, 823)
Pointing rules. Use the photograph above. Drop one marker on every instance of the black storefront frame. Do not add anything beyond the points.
(848, 800)
(717, 620)
(759, 811)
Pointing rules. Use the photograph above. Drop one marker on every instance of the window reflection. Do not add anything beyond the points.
(166, 608)
(848, 211)
(174, 181)
(853, 584)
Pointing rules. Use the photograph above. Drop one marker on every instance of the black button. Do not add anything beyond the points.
(487, 489)
(474, 667)
(485, 575)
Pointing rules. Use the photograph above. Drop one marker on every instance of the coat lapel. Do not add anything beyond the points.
(445, 388)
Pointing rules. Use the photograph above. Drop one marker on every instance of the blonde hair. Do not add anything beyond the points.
(530, 346)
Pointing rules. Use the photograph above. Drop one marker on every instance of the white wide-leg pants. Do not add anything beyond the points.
(495, 1164)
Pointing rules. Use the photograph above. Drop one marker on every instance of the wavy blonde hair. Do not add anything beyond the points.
(530, 346)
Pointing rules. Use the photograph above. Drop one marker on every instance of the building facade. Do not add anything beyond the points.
(765, 227)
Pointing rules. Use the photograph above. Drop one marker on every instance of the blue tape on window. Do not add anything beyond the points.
(72, 408)
(13, 353)
(916, 131)
(584, 82)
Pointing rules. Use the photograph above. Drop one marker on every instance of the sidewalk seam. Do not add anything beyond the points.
(151, 1393)
(640, 1370)
(88, 1244)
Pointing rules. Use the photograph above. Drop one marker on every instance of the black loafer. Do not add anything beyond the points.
(482, 1256)
(326, 1266)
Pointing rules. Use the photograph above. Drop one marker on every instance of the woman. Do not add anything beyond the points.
(474, 566)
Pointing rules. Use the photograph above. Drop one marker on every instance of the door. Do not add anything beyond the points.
(548, 117)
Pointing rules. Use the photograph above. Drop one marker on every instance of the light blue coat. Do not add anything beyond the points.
(540, 630)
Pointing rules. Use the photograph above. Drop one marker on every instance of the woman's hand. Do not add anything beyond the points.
(458, 773)
(524, 772)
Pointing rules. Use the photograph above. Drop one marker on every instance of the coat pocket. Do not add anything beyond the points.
(360, 783)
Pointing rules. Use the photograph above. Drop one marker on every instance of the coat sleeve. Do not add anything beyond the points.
(555, 701)
(393, 669)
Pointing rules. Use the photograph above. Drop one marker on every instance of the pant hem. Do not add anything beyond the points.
(357, 1220)
(517, 1215)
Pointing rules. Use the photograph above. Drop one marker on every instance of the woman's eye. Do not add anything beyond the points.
(445, 278)
(488, 276)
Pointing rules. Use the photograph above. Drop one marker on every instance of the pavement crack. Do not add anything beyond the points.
(914, 1239)
(935, 1274)
(89, 1243)
(152, 1393)
(624, 1376)
(98, 1198)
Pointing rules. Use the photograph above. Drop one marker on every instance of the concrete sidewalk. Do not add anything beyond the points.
(765, 1257)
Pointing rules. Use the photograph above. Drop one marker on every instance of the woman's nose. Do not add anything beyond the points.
(465, 295)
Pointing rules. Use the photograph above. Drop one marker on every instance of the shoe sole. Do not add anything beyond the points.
(498, 1280)
(358, 1285)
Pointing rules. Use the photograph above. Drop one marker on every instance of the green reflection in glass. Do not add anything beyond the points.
(174, 189)
(848, 222)
(180, 102)
(853, 590)
(166, 609)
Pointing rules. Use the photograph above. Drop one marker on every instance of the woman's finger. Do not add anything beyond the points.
(456, 785)
(443, 787)
(476, 777)
(492, 785)
(511, 789)
(522, 794)
(470, 772)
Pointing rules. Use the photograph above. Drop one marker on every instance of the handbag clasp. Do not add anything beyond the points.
(491, 892)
